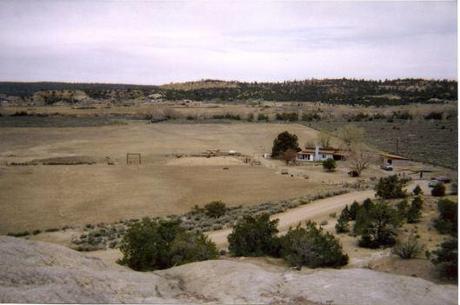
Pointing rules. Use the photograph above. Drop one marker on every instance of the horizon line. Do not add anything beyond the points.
(233, 80)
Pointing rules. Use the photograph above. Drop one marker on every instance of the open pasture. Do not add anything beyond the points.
(47, 196)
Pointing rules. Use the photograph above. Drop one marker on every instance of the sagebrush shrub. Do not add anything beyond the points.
(329, 165)
(215, 209)
(408, 248)
(262, 117)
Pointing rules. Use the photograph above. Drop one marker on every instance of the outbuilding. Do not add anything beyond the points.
(393, 160)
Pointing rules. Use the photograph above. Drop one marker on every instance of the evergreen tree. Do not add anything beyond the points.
(415, 211)
(417, 190)
(342, 225)
(354, 210)
(377, 225)
(390, 187)
(403, 208)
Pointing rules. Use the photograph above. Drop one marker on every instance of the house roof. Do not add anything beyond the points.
(329, 150)
(394, 157)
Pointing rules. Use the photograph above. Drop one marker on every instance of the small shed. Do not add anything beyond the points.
(393, 160)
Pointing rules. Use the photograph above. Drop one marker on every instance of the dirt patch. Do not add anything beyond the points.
(203, 161)
(61, 237)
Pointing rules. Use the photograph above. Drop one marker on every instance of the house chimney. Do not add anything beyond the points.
(316, 152)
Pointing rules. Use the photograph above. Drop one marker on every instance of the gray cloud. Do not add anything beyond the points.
(156, 42)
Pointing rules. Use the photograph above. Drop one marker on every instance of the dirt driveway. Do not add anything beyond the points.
(312, 210)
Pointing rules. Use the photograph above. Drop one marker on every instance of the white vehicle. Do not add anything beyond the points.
(387, 167)
(433, 183)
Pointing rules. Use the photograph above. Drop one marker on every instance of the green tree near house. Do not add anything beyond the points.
(329, 165)
(283, 142)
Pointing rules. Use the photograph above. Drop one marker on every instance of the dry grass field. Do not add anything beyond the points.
(48, 196)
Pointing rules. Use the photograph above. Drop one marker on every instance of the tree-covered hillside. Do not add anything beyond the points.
(23, 89)
(333, 91)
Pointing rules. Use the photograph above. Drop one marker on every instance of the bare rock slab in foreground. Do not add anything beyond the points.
(45, 273)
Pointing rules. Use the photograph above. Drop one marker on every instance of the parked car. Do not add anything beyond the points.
(433, 183)
(386, 167)
(442, 179)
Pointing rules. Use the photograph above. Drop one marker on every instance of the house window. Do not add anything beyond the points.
(304, 157)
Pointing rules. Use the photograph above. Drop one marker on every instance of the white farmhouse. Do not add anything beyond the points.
(319, 154)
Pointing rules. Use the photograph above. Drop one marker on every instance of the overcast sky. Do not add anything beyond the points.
(151, 42)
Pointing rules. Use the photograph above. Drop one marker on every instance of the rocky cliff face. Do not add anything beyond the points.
(46, 273)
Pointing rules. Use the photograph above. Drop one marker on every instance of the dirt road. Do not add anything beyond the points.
(312, 210)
